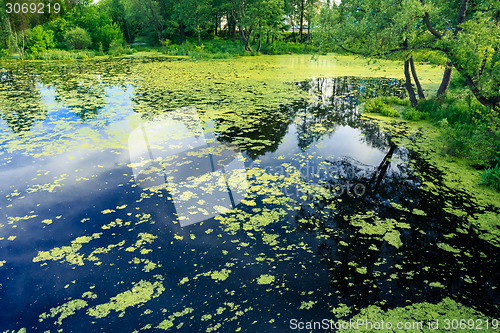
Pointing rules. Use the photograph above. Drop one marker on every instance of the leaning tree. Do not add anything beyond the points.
(467, 32)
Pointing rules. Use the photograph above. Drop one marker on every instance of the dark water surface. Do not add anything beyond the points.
(115, 220)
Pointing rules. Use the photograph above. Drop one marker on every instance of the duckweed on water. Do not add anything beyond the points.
(292, 241)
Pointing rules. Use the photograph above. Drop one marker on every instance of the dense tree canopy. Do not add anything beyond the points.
(467, 32)
(154, 21)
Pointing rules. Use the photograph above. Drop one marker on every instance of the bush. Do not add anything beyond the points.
(106, 35)
(116, 48)
(491, 177)
(77, 38)
(4, 54)
(377, 105)
(40, 40)
(412, 114)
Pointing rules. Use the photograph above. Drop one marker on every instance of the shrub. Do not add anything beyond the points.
(107, 34)
(4, 54)
(412, 114)
(40, 40)
(377, 105)
(77, 38)
(491, 177)
(116, 48)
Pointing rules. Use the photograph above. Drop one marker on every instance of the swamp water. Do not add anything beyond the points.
(147, 195)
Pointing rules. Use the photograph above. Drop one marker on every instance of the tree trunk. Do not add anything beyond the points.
(268, 37)
(260, 44)
(181, 32)
(417, 82)
(408, 85)
(198, 30)
(445, 83)
(301, 20)
(233, 29)
(246, 38)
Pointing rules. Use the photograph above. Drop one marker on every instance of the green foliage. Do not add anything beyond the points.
(40, 40)
(379, 28)
(116, 48)
(412, 114)
(223, 49)
(108, 34)
(470, 130)
(77, 38)
(59, 26)
(378, 105)
(4, 54)
(61, 55)
(491, 177)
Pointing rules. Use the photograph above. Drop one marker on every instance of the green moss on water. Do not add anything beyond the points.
(169, 322)
(370, 225)
(458, 175)
(64, 311)
(265, 279)
(140, 293)
(418, 316)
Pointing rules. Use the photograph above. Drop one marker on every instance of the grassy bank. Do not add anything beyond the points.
(468, 129)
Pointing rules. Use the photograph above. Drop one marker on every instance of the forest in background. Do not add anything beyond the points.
(111, 24)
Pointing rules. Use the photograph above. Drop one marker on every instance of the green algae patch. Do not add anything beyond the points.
(265, 279)
(139, 294)
(220, 275)
(67, 253)
(64, 311)
(372, 226)
(169, 322)
(144, 238)
(419, 316)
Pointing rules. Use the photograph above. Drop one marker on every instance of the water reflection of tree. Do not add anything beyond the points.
(20, 100)
(333, 102)
(256, 132)
(433, 261)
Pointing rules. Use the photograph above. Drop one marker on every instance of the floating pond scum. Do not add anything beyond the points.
(147, 194)
(204, 178)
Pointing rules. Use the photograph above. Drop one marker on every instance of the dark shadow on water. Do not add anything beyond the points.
(396, 243)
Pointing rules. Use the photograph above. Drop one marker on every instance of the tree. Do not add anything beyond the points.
(77, 38)
(40, 40)
(466, 33)
(258, 15)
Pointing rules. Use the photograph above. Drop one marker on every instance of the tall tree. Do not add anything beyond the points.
(466, 32)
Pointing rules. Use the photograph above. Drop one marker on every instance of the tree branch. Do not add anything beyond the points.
(404, 48)
(428, 24)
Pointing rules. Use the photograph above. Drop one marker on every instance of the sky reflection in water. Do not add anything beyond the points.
(276, 256)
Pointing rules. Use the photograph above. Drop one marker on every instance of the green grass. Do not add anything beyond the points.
(414, 115)
(470, 130)
(61, 55)
(380, 105)
(491, 177)
(223, 49)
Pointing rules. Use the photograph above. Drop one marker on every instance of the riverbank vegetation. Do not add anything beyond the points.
(463, 36)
